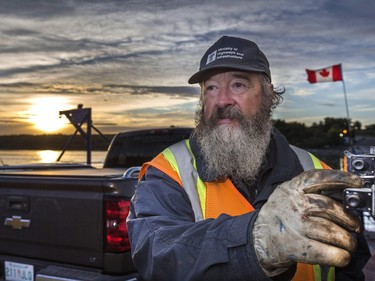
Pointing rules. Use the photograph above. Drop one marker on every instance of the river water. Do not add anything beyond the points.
(16, 157)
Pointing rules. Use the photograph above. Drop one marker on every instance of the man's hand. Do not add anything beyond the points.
(298, 224)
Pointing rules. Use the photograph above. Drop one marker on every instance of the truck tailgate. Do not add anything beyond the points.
(54, 218)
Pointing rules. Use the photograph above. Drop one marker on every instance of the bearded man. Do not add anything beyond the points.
(235, 201)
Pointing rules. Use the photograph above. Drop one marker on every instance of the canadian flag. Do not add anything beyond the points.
(328, 74)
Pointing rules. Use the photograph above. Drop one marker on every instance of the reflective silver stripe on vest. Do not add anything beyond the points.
(188, 176)
(304, 158)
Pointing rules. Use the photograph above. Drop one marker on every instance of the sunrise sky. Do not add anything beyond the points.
(130, 60)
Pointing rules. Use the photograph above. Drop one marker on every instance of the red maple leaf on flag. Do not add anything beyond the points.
(324, 73)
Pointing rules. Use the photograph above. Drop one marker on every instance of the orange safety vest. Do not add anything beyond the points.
(210, 199)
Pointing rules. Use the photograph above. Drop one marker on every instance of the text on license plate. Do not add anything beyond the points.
(15, 271)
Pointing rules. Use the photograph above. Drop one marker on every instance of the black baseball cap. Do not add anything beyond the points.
(232, 53)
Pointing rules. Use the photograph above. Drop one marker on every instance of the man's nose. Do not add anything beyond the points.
(224, 97)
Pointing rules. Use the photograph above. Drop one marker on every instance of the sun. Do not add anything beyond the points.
(44, 113)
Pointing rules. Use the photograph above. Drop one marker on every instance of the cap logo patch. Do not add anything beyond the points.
(211, 57)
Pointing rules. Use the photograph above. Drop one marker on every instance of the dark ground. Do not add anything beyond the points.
(370, 267)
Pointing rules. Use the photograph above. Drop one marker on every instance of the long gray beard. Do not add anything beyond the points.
(235, 151)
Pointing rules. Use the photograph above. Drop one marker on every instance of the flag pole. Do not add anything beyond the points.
(347, 110)
(346, 102)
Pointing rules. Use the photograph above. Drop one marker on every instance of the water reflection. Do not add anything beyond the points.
(48, 156)
(21, 157)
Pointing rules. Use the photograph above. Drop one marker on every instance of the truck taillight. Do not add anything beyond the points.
(116, 233)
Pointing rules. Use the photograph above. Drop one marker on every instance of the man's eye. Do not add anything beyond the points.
(210, 88)
(238, 85)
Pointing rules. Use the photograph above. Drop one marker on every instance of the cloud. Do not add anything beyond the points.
(108, 53)
(35, 8)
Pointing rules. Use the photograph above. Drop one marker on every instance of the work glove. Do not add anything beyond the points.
(299, 224)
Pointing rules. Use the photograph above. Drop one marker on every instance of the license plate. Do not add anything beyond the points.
(15, 271)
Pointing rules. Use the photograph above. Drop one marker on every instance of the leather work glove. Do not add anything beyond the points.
(299, 224)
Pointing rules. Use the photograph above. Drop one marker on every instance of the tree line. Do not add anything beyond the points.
(53, 142)
(327, 133)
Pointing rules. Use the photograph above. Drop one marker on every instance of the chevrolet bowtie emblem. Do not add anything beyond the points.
(17, 222)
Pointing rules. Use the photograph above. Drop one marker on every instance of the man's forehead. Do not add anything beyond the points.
(231, 73)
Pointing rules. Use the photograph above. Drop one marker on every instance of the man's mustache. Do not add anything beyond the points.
(227, 112)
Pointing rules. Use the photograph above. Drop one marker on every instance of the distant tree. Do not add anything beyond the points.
(357, 126)
(369, 129)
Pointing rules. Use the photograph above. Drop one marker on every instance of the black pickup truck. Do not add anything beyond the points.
(67, 222)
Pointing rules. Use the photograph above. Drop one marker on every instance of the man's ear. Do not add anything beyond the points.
(270, 89)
